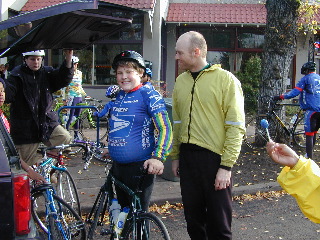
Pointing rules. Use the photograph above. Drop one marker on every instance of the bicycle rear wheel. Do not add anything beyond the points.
(147, 226)
(299, 137)
(67, 190)
(64, 219)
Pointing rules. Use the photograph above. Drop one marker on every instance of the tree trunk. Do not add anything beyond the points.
(279, 47)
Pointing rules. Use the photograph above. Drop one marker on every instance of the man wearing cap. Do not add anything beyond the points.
(29, 90)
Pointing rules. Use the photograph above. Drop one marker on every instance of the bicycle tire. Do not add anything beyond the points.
(67, 190)
(147, 226)
(299, 137)
(97, 210)
(55, 232)
(65, 214)
(256, 136)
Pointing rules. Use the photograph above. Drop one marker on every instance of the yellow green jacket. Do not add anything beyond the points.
(303, 183)
(209, 112)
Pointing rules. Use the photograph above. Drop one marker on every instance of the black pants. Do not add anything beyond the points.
(208, 212)
(128, 174)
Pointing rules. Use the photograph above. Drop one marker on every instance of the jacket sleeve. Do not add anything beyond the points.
(164, 137)
(61, 77)
(11, 89)
(303, 183)
(233, 105)
(176, 128)
(296, 90)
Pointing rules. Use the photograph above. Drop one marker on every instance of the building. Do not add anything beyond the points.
(234, 30)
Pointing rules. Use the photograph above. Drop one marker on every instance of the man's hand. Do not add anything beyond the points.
(154, 166)
(68, 53)
(175, 168)
(223, 179)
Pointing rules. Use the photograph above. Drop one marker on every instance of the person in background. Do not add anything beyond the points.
(300, 178)
(111, 93)
(29, 89)
(32, 174)
(209, 124)
(74, 94)
(309, 89)
(140, 133)
(146, 79)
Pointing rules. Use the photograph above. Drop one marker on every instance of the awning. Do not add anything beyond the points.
(73, 24)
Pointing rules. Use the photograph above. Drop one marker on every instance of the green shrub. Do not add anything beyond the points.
(250, 80)
(6, 110)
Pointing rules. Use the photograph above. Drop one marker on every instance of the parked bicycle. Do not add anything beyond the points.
(138, 225)
(281, 130)
(63, 181)
(86, 118)
(53, 215)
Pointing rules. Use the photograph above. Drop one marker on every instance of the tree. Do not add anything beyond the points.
(280, 46)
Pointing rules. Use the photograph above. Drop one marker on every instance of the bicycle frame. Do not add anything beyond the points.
(108, 189)
(49, 192)
(91, 107)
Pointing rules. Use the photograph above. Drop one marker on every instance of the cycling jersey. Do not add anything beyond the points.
(309, 89)
(140, 128)
(75, 87)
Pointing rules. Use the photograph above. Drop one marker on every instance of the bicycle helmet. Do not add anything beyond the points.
(128, 56)
(34, 53)
(75, 59)
(149, 72)
(112, 91)
(308, 67)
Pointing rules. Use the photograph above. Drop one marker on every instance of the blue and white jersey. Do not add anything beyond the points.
(309, 89)
(139, 126)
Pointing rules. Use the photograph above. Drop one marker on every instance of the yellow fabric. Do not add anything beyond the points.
(217, 119)
(303, 183)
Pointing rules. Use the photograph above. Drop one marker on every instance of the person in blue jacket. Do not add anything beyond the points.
(309, 89)
(111, 92)
(140, 133)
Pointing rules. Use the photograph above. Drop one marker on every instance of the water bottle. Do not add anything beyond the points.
(294, 118)
(121, 220)
(114, 210)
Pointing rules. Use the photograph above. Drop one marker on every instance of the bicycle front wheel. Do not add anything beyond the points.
(57, 218)
(67, 190)
(147, 226)
(299, 137)
(98, 219)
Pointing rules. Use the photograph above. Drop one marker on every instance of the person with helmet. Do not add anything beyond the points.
(147, 77)
(309, 89)
(29, 90)
(140, 133)
(112, 93)
(74, 93)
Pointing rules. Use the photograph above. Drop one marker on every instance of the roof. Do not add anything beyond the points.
(217, 13)
(32, 5)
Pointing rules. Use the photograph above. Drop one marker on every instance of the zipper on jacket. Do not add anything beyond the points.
(192, 92)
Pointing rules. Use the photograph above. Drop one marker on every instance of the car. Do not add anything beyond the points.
(15, 213)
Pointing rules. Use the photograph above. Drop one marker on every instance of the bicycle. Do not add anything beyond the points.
(65, 185)
(85, 118)
(280, 130)
(53, 215)
(139, 224)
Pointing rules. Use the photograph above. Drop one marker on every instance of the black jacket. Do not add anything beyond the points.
(30, 94)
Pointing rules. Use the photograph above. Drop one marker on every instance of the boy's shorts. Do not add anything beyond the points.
(28, 152)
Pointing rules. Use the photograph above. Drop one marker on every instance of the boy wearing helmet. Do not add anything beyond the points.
(74, 94)
(29, 90)
(309, 89)
(140, 130)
